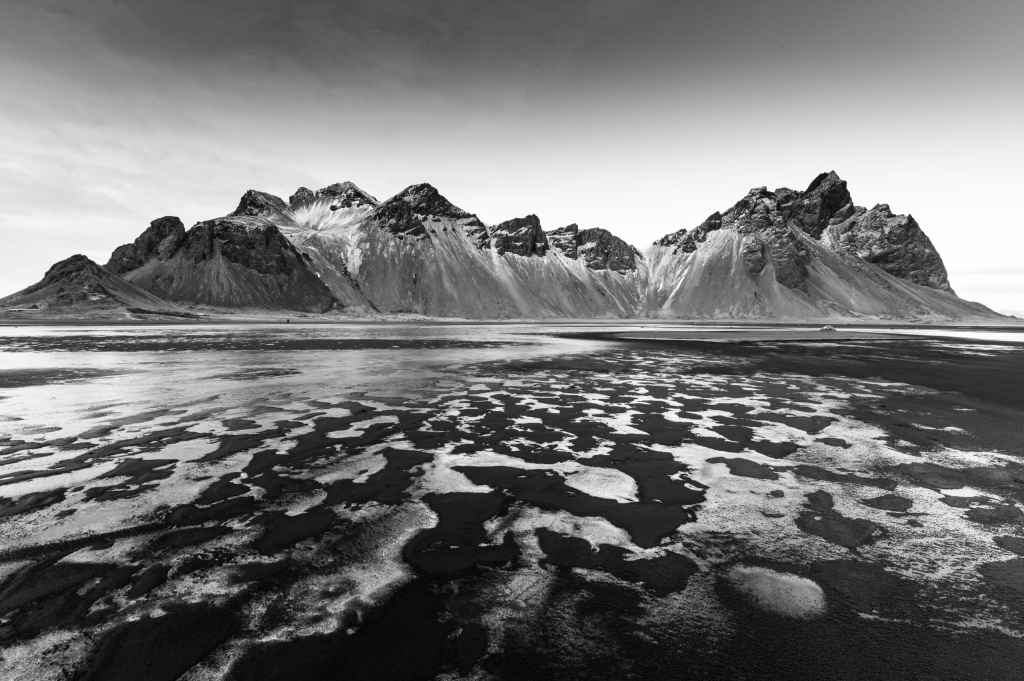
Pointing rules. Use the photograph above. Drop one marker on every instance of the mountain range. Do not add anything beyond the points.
(782, 254)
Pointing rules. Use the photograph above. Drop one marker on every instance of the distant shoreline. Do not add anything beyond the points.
(1011, 323)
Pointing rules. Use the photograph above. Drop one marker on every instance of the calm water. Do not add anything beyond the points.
(499, 502)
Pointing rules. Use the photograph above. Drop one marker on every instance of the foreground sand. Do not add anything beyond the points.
(399, 502)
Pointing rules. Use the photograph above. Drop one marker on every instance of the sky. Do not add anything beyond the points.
(642, 116)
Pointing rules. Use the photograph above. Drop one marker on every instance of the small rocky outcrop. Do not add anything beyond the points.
(564, 239)
(476, 232)
(895, 243)
(788, 255)
(685, 241)
(768, 237)
(673, 239)
(160, 240)
(521, 236)
(752, 250)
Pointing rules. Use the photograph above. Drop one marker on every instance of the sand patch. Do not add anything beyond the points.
(778, 592)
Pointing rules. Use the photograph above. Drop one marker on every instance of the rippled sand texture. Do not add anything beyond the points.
(403, 502)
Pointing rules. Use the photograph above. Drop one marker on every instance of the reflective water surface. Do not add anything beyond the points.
(469, 501)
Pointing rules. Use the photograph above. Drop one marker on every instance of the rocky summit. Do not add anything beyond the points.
(424, 199)
(824, 211)
(774, 254)
(256, 203)
(338, 195)
(809, 254)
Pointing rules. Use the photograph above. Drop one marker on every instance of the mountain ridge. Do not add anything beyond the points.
(775, 254)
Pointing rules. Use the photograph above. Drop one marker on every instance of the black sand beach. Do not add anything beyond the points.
(494, 502)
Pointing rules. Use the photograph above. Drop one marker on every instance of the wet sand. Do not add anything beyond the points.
(301, 504)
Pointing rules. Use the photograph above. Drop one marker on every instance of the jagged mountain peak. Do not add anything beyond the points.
(257, 203)
(773, 225)
(167, 224)
(345, 194)
(826, 198)
(343, 188)
(425, 199)
(404, 214)
(829, 178)
(302, 196)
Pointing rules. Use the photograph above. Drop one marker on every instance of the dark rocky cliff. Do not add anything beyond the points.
(598, 248)
(896, 243)
(825, 212)
(521, 236)
(235, 261)
(160, 240)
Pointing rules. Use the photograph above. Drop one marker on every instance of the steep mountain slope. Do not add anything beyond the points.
(417, 252)
(800, 255)
(237, 261)
(78, 286)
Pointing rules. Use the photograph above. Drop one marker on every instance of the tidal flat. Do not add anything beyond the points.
(473, 501)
